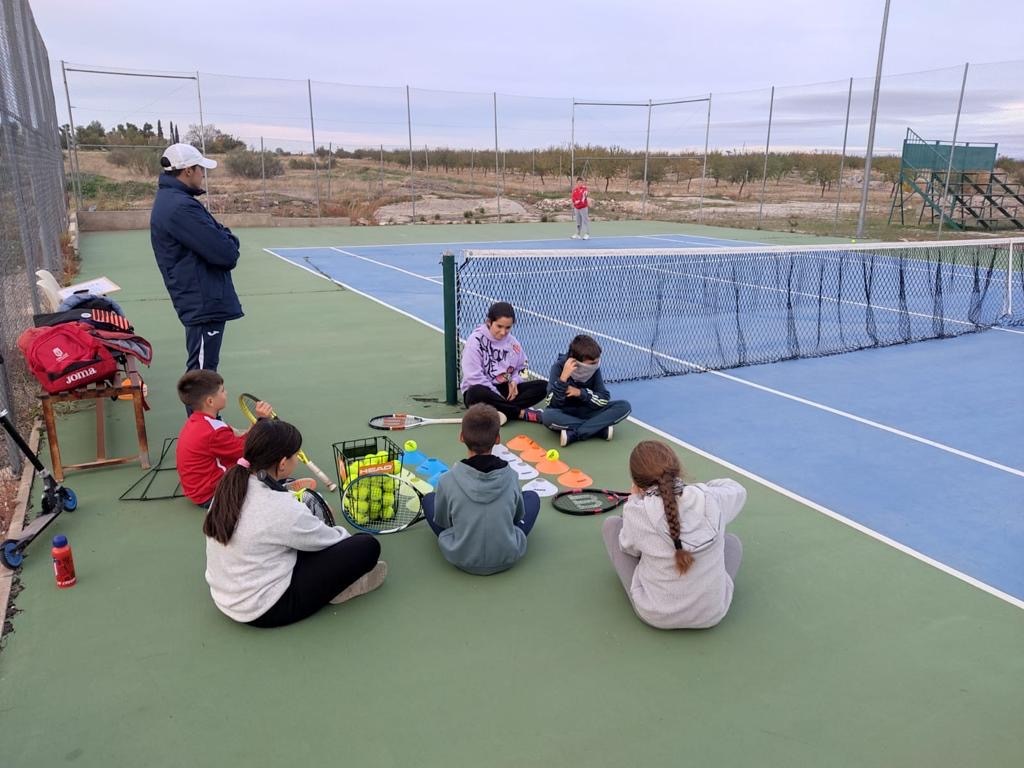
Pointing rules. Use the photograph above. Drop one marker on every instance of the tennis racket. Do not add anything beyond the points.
(247, 403)
(397, 421)
(317, 504)
(381, 503)
(588, 501)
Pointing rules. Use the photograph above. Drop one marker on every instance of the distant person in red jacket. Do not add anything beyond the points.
(581, 208)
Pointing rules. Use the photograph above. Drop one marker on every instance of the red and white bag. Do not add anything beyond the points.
(66, 356)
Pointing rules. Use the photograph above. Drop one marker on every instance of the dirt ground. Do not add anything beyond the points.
(373, 195)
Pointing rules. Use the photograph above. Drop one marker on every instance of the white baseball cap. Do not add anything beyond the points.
(180, 156)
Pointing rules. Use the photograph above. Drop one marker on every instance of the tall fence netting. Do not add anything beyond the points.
(33, 214)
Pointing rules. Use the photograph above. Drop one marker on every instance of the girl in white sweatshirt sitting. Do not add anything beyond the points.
(269, 560)
(670, 548)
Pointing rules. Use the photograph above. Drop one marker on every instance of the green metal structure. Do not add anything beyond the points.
(958, 184)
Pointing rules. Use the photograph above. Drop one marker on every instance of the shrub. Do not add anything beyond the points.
(301, 164)
(252, 165)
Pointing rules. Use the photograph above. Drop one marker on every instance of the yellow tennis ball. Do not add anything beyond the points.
(410, 445)
(853, 239)
(388, 499)
(552, 455)
(376, 493)
(363, 491)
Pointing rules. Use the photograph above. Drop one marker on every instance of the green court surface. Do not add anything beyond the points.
(838, 650)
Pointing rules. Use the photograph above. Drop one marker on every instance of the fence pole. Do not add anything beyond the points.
(412, 180)
(842, 158)
(381, 176)
(572, 147)
(871, 125)
(312, 134)
(330, 162)
(704, 170)
(767, 148)
(647, 154)
(497, 177)
(202, 140)
(76, 180)
(952, 151)
(263, 171)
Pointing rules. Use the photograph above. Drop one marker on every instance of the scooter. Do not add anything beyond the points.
(56, 499)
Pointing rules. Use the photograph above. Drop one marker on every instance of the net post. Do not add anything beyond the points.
(1008, 303)
(451, 335)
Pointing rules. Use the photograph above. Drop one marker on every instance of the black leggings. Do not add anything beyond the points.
(319, 576)
(530, 393)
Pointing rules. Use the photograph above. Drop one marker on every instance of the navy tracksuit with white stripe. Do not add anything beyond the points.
(585, 416)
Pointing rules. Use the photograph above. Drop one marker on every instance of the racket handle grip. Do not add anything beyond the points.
(331, 486)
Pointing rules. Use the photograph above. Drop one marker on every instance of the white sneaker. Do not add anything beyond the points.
(575, 237)
(365, 583)
(609, 431)
(586, 237)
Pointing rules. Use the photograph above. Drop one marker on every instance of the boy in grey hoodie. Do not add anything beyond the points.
(478, 512)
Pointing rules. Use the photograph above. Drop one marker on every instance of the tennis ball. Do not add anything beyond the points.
(376, 494)
(552, 455)
(388, 513)
(363, 491)
(853, 239)
(410, 445)
(388, 500)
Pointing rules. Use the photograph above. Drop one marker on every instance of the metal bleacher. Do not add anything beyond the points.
(968, 193)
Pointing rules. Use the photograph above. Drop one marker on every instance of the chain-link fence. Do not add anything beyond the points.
(777, 157)
(33, 212)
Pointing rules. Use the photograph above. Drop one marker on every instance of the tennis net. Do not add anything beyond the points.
(661, 312)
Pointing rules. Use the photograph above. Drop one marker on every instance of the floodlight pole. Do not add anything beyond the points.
(952, 151)
(572, 145)
(842, 158)
(767, 147)
(871, 125)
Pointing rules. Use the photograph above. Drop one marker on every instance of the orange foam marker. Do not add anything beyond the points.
(575, 478)
(533, 455)
(521, 443)
(552, 467)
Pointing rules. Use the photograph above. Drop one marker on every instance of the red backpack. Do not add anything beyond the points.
(66, 356)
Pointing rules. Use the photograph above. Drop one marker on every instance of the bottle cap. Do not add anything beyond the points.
(60, 540)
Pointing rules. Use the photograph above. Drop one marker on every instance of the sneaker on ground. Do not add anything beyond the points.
(568, 437)
(575, 237)
(608, 432)
(365, 583)
(532, 415)
(586, 237)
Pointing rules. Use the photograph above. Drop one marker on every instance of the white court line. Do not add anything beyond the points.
(487, 242)
(730, 377)
(348, 287)
(838, 517)
(733, 467)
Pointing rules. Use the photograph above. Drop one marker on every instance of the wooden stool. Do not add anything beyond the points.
(99, 394)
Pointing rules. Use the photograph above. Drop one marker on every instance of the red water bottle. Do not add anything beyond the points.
(63, 562)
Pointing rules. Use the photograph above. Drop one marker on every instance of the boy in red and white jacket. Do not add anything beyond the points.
(581, 209)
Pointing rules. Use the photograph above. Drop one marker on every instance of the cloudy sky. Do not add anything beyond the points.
(597, 50)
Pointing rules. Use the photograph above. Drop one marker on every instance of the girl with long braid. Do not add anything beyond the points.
(269, 560)
(670, 548)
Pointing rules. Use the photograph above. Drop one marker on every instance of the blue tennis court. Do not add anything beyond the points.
(917, 445)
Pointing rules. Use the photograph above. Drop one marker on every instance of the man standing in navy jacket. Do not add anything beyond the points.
(195, 254)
